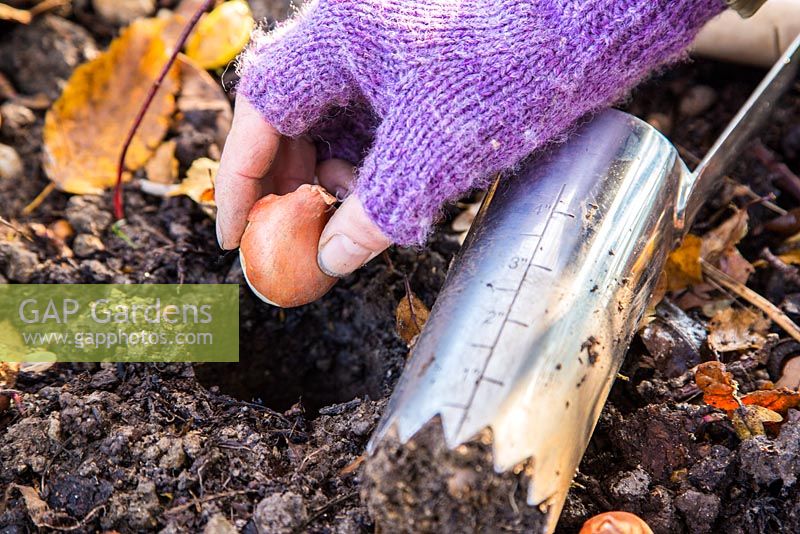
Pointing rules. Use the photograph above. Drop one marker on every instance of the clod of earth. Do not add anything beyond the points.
(279, 246)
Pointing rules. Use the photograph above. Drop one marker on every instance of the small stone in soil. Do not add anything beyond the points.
(41, 56)
(20, 263)
(86, 216)
(697, 100)
(281, 513)
(86, 245)
(15, 118)
(10, 163)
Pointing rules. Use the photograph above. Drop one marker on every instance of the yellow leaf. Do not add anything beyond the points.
(792, 257)
(683, 264)
(221, 35)
(85, 129)
(199, 182)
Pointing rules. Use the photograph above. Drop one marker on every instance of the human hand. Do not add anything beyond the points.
(455, 90)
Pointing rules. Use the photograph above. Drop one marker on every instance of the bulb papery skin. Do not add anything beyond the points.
(279, 247)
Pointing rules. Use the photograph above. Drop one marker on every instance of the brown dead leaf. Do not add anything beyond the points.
(734, 329)
(43, 517)
(732, 263)
(718, 386)
(163, 166)
(37, 508)
(717, 246)
(683, 264)
(410, 315)
(200, 93)
(751, 412)
(85, 129)
(717, 241)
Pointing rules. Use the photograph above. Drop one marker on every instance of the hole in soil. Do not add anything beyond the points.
(286, 356)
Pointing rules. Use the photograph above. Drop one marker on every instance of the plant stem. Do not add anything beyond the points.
(119, 211)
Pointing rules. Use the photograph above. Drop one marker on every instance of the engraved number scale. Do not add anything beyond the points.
(530, 255)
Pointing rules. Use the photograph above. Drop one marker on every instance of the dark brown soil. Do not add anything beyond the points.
(273, 444)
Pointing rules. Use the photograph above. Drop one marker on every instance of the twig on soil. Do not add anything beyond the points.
(47, 5)
(325, 509)
(61, 448)
(788, 271)
(786, 179)
(772, 311)
(16, 228)
(186, 506)
(119, 211)
(766, 202)
(36, 202)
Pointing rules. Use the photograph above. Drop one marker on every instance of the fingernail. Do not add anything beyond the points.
(340, 256)
(219, 235)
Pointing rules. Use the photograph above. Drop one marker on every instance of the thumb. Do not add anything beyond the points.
(349, 240)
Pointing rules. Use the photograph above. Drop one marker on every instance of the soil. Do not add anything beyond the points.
(275, 442)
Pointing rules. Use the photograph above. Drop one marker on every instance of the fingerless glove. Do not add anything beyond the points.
(435, 96)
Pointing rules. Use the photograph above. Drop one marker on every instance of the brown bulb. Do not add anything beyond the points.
(279, 246)
(615, 523)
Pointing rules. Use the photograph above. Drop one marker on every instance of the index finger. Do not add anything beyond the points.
(248, 154)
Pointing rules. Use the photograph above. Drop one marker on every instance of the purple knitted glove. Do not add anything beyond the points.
(460, 89)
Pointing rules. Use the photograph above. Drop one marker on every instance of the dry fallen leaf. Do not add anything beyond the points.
(163, 166)
(200, 93)
(718, 247)
(749, 413)
(199, 182)
(778, 400)
(43, 517)
(734, 329)
(221, 35)
(717, 241)
(683, 264)
(411, 315)
(85, 129)
(732, 263)
(717, 384)
(123, 12)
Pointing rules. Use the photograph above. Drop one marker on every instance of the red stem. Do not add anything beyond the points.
(119, 211)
